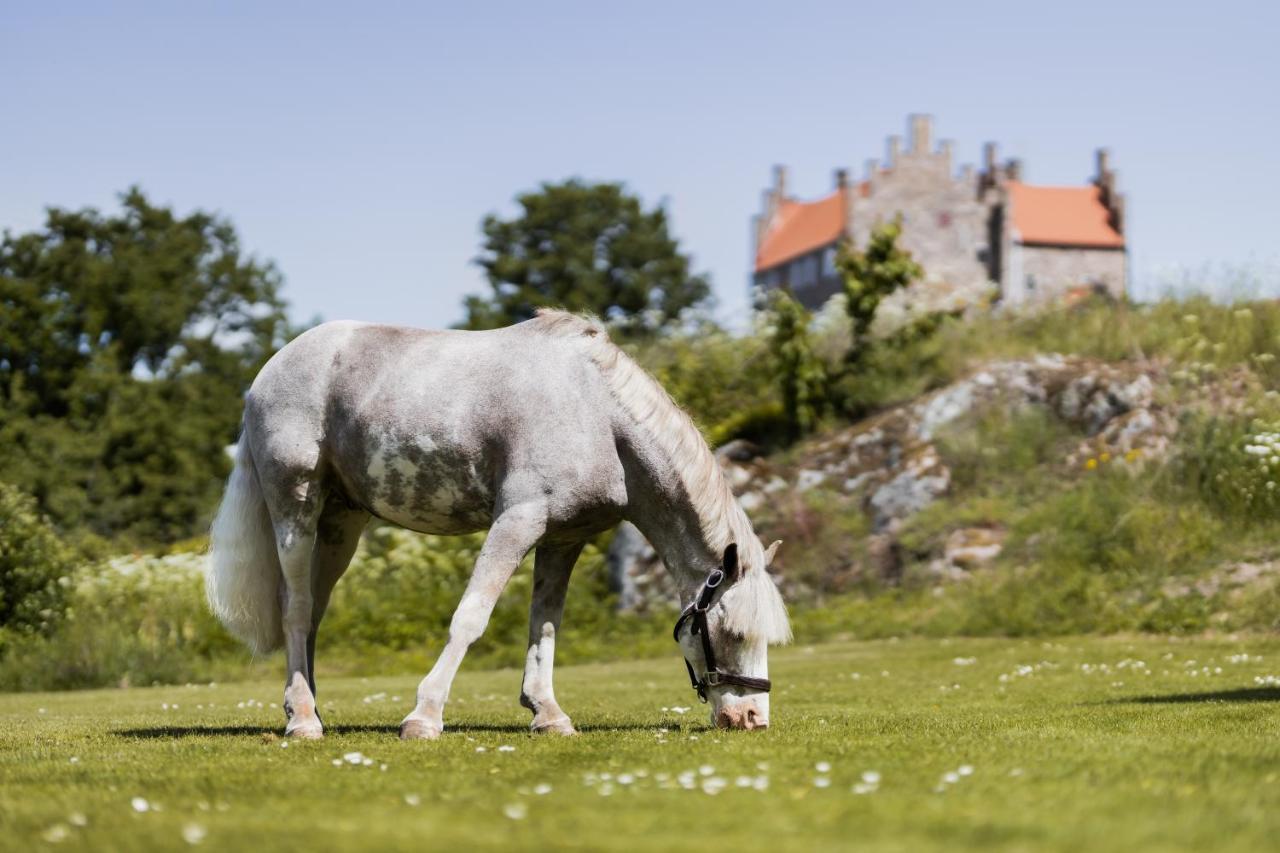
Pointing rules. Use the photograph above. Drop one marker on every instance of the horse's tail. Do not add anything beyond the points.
(243, 582)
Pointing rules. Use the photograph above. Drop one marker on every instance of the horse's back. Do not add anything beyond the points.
(431, 429)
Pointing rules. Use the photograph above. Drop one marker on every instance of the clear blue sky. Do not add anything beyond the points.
(360, 145)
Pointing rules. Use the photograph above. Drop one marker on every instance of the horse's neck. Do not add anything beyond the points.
(658, 505)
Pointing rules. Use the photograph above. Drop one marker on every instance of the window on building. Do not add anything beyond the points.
(829, 262)
(1031, 282)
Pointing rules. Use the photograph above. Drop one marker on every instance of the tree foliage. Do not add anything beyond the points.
(869, 276)
(126, 342)
(584, 247)
(801, 375)
(34, 566)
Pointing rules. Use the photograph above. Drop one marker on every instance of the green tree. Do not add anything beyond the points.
(34, 566)
(869, 276)
(800, 373)
(126, 343)
(584, 247)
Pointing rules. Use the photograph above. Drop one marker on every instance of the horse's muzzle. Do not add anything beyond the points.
(743, 715)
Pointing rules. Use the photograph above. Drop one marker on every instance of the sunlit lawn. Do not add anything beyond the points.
(910, 745)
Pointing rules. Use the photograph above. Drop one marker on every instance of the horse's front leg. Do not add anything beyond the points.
(551, 570)
(512, 535)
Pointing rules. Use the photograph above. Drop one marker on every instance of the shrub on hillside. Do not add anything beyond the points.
(35, 566)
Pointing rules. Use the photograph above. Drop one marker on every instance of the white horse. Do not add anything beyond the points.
(545, 433)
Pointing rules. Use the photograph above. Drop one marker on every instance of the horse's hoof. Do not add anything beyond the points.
(560, 726)
(418, 730)
(311, 730)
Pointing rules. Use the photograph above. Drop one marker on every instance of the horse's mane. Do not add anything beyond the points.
(753, 607)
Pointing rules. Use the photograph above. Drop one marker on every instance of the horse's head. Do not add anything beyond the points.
(725, 632)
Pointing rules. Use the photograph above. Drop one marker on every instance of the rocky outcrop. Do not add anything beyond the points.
(890, 468)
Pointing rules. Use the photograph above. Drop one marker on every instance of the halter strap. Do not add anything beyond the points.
(713, 676)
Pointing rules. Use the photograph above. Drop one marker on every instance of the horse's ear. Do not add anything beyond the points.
(730, 562)
(770, 551)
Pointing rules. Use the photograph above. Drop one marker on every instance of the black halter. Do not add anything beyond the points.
(713, 676)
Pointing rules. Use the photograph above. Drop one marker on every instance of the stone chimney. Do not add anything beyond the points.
(1105, 181)
(770, 201)
(780, 181)
(841, 179)
(921, 127)
(945, 148)
(895, 150)
(1013, 169)
(987, 177)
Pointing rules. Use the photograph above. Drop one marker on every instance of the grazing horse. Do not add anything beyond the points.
(543, 432)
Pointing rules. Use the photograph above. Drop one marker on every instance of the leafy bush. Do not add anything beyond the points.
(34, 566)
(135, 620)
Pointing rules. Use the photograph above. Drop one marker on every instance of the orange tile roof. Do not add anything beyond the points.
(799, 227)
(1062, 216)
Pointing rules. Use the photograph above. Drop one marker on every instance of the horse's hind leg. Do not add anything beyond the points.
(337, 535)
(516, 530)
(551, 571)
(295, 513)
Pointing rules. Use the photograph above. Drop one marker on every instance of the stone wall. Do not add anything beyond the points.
(944, 224)
(1047, 273)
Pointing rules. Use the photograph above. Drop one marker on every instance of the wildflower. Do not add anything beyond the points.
(713, 785)
(193, 833)
(823, 767)
(56, 833)
(706, 770)
(871, 777)
(77, 819)
(965, 770)
(412, 800)
(515, 811)
(542, 789)
(506, 748)
(822, 782)
(1104, 456)
(140, 805)
(1091, 464)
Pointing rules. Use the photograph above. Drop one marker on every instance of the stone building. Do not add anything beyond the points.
(969, 229)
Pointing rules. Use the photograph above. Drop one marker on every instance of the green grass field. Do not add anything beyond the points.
(920, 744)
